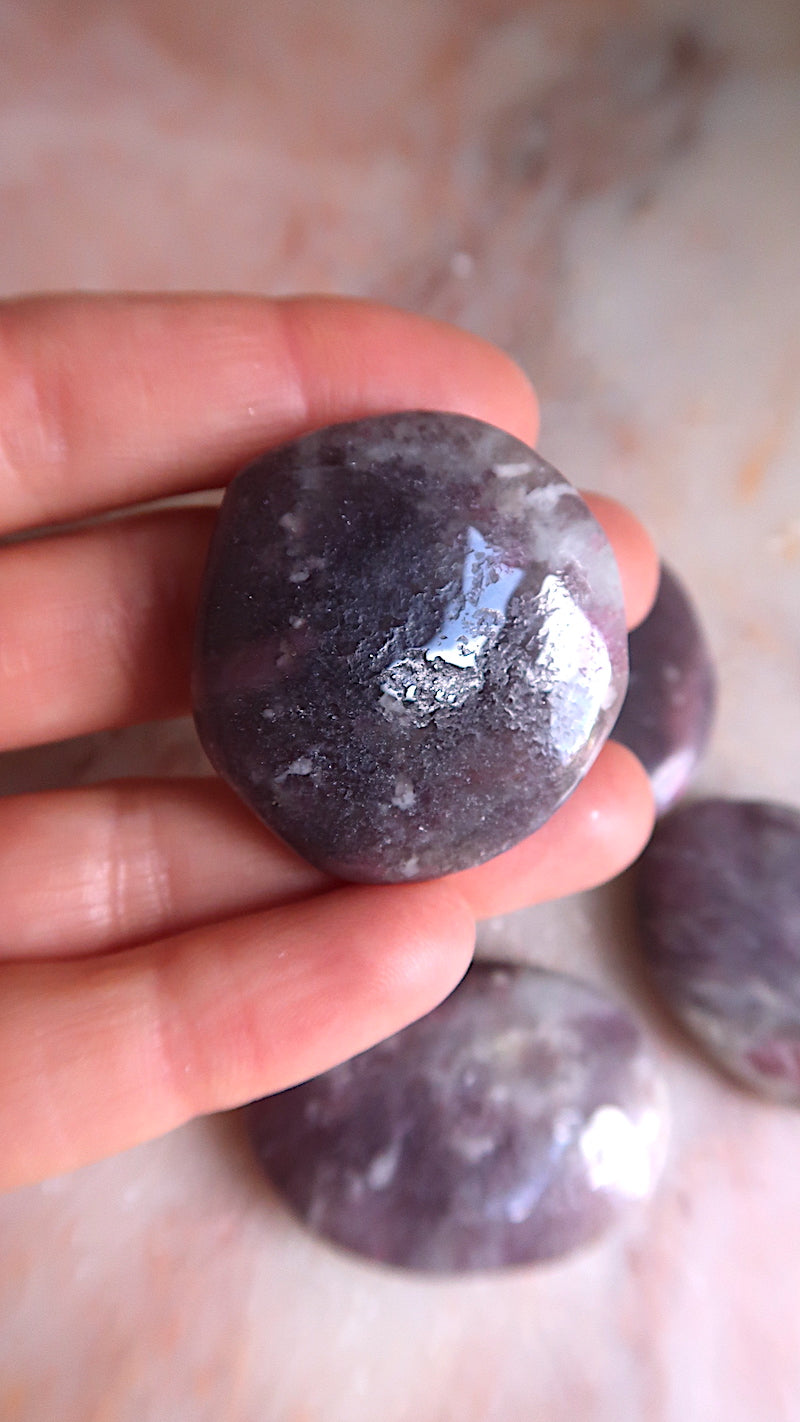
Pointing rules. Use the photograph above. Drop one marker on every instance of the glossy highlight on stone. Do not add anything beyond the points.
(719, 904)
(513, 1124)
(668, 711)
(410, 646)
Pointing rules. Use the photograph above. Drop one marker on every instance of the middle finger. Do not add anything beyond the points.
(104, 867)
(96, 625)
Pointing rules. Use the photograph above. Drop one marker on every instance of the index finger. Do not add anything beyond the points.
(112, 400)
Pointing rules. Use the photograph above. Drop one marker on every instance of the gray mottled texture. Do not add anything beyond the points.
(513, 1124)
(411, 644)
(668, 711)
(719, 902)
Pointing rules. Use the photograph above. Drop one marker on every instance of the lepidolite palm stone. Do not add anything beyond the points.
(411, 644)
(668, 710)
(719, 903)
(514, 1123)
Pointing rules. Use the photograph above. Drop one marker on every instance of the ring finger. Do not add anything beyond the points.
(135, 860)
(96, 625)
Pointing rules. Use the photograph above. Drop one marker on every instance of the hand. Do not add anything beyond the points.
(161, 955)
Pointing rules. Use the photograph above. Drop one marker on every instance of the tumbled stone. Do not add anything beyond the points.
(513, 1124)
(668, 710)
(719, 903)
(411, 644)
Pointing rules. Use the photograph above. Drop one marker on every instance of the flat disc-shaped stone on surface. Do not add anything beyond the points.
(668, 710)
(512, 1124)
(719, 903)
(411, 644)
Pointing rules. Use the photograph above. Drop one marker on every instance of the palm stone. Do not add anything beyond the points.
(518, 1121)
(668, 710)
(719, 905)
(411, 644)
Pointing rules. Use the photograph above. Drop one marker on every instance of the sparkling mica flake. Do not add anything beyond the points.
(719, 905)
(411, 644)
(668, 712)
(515, 1123)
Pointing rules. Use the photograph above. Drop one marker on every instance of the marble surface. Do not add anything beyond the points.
(610, 190)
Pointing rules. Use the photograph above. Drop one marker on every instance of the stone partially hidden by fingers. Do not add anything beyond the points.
(411, 644)
(513, 1124)
(668, 711)
(719, 904)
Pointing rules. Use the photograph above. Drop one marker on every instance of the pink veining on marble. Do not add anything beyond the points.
(610, 191)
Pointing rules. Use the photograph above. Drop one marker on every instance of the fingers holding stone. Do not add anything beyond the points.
(105, 867)
(96, 625)
(99, 1054)
(635, 551)
(595, 835)
(110, 400)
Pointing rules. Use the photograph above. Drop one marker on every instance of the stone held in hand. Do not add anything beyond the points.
(718, 892)
(411, 644)
(668, 711)
(517, 1122)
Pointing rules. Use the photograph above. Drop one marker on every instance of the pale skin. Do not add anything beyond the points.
(161, 954)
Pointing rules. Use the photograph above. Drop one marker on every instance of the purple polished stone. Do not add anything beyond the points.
(411, 644)
(668, 711)
(719, 902)
(514, 1123)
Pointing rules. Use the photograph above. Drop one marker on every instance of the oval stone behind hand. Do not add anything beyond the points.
(668, 712)
(718, 891)
(517, 1122)
(411, 644)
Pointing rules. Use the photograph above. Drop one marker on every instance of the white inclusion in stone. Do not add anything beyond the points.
(403, 796)
(565, 1126)
(487, 584)
(410, 867)
(520, 1204)
(511, 471)
(573, 669)
(473, 1148)
(618, 1152)
(381, 1170)
(292, 522)
(301, 572)
(303, 766)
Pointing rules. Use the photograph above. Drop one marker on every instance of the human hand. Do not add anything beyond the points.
(161, 954)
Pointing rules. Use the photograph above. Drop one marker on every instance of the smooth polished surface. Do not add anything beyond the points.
(411, 644)
(515, 1123)
(668, 711)
(610, 191)
(718, 897)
